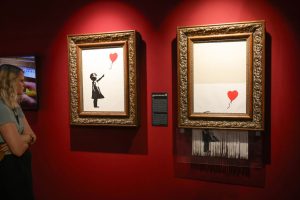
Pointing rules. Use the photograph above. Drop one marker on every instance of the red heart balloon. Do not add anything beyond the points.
(232, 94)
(113, 57)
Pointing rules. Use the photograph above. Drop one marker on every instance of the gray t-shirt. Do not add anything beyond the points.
(7, 115)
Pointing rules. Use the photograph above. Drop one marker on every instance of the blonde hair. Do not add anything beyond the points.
(8, 84)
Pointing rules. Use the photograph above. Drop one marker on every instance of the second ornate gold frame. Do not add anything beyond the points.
(203, 69)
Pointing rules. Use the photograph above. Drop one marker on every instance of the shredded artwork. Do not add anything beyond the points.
(220, 143)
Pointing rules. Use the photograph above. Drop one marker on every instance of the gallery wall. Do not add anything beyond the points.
(138, 163)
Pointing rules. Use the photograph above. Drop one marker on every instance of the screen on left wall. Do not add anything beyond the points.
(28, 65)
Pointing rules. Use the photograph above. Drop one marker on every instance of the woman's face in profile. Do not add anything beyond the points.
(20, 83)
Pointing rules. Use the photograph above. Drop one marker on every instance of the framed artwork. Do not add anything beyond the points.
(103, 85)
(221, 76)
(29, 100)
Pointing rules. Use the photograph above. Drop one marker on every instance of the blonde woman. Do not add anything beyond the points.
(16, 136)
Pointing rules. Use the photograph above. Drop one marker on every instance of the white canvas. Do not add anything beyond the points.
(112, 84)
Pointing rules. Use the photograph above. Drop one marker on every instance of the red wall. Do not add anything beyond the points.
(119, 163)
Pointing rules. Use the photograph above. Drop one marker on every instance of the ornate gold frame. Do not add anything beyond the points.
(125, 40)
(253, 33)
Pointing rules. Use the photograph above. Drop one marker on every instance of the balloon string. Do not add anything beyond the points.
(229, 104)
(111, 65)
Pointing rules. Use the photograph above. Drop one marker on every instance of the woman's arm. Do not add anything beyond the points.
(17, 143)
(4, 148)
(28, 130)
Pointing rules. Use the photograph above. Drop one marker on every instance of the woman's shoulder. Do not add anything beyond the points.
(3, 106)
(5, 111)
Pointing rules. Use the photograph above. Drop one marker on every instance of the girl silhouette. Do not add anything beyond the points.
(96, 93)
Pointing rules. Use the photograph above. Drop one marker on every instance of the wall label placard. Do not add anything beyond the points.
(159, 109)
